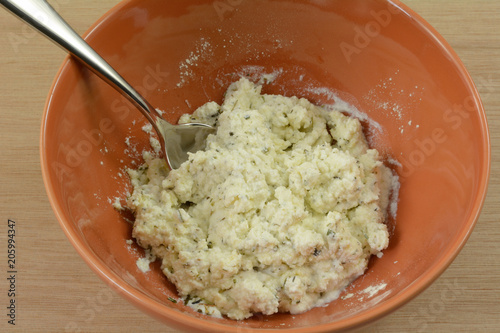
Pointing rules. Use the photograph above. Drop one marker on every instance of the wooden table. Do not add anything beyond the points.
(57, 292)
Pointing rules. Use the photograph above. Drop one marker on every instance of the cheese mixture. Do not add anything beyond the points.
(279, 214)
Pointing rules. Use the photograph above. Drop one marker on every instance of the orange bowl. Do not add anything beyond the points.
(425, 115)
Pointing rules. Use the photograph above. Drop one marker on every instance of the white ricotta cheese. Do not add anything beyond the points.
(279, 213)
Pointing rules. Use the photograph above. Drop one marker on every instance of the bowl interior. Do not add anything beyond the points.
(377, 55)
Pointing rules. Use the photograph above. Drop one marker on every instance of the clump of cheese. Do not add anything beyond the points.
(279, 213)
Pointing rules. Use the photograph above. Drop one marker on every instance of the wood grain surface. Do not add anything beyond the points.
(57, 292)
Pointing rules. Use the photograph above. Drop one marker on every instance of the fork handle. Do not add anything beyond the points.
(42, 17)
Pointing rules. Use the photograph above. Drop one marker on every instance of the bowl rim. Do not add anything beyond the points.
(183, 320)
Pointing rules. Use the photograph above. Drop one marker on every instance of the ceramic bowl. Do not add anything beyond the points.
(425, 115)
